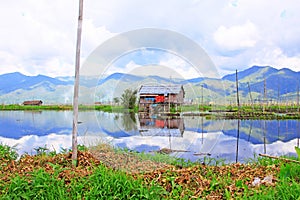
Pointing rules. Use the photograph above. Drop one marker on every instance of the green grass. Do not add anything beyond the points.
(104, 183)
(217, 111)
(61, 181)
(106, 108)
(29, 107)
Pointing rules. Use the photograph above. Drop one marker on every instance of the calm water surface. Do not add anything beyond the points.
(232, 140)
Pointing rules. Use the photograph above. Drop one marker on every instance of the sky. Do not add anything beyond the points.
(39, 36)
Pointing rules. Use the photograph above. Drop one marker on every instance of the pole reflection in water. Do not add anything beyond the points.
(298, 134)
(169, 133)
(264, 131)
(202, 129)
(250, 130)
(237, 141)
(278, 129)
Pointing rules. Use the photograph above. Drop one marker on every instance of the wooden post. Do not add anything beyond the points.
(265, 95)
(298, 95)
(76, 87)
(237, 92)
(279, 158)
(250, 97)
(202, 97)
(278, 100)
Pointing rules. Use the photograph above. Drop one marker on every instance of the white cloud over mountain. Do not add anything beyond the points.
(237, 37)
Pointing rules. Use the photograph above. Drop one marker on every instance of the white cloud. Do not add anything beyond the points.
(40, 37)
(35, 35)
(236, 37)
(131, 66)
(168, 66)
(275, 57)
(181, 68)
(92, 36)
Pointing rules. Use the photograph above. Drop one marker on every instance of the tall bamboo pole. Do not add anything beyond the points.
(278, 97)
(250, 97)
(76, 86)
(265, 95)
(237, 91)
(202, 96)
(298, 95)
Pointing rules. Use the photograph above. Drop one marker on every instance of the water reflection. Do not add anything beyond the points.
(152, 125)
(233, 140)
(237, 141)
(129, 121)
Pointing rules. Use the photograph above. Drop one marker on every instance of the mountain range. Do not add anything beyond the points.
(259, 81)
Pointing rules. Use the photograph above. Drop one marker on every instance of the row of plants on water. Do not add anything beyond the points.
(49, 175)
(224, 112)
(184, 108)
(248, 108)
(106, 108)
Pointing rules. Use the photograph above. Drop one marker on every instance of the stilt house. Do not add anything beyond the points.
(159, 99)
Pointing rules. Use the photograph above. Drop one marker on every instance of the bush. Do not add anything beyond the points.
(7, 153)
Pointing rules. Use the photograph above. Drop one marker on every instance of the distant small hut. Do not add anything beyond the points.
(33, 103)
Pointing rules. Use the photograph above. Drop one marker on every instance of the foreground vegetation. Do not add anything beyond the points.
(49, 175)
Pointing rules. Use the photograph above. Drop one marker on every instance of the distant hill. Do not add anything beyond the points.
(120, 76)
(14, 81)
(16, 87)
(253, 74)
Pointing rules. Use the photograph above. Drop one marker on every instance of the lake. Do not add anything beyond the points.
(189, 137)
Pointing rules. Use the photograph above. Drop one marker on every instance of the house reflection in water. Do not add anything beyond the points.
(161, 126)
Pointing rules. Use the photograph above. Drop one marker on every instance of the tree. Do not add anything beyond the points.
(116, 100)
(128, 98)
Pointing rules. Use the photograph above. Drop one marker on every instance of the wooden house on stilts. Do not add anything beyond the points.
(160, 99)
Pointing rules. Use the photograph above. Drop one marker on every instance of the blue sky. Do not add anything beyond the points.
(39, 37)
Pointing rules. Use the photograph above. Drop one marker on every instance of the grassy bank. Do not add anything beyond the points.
(106, 108)
(50, 176)
(213, 112)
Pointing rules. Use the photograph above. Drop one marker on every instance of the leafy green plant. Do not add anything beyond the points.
(82, 147)
(41, 150)
(39, 185)
(8, 153)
